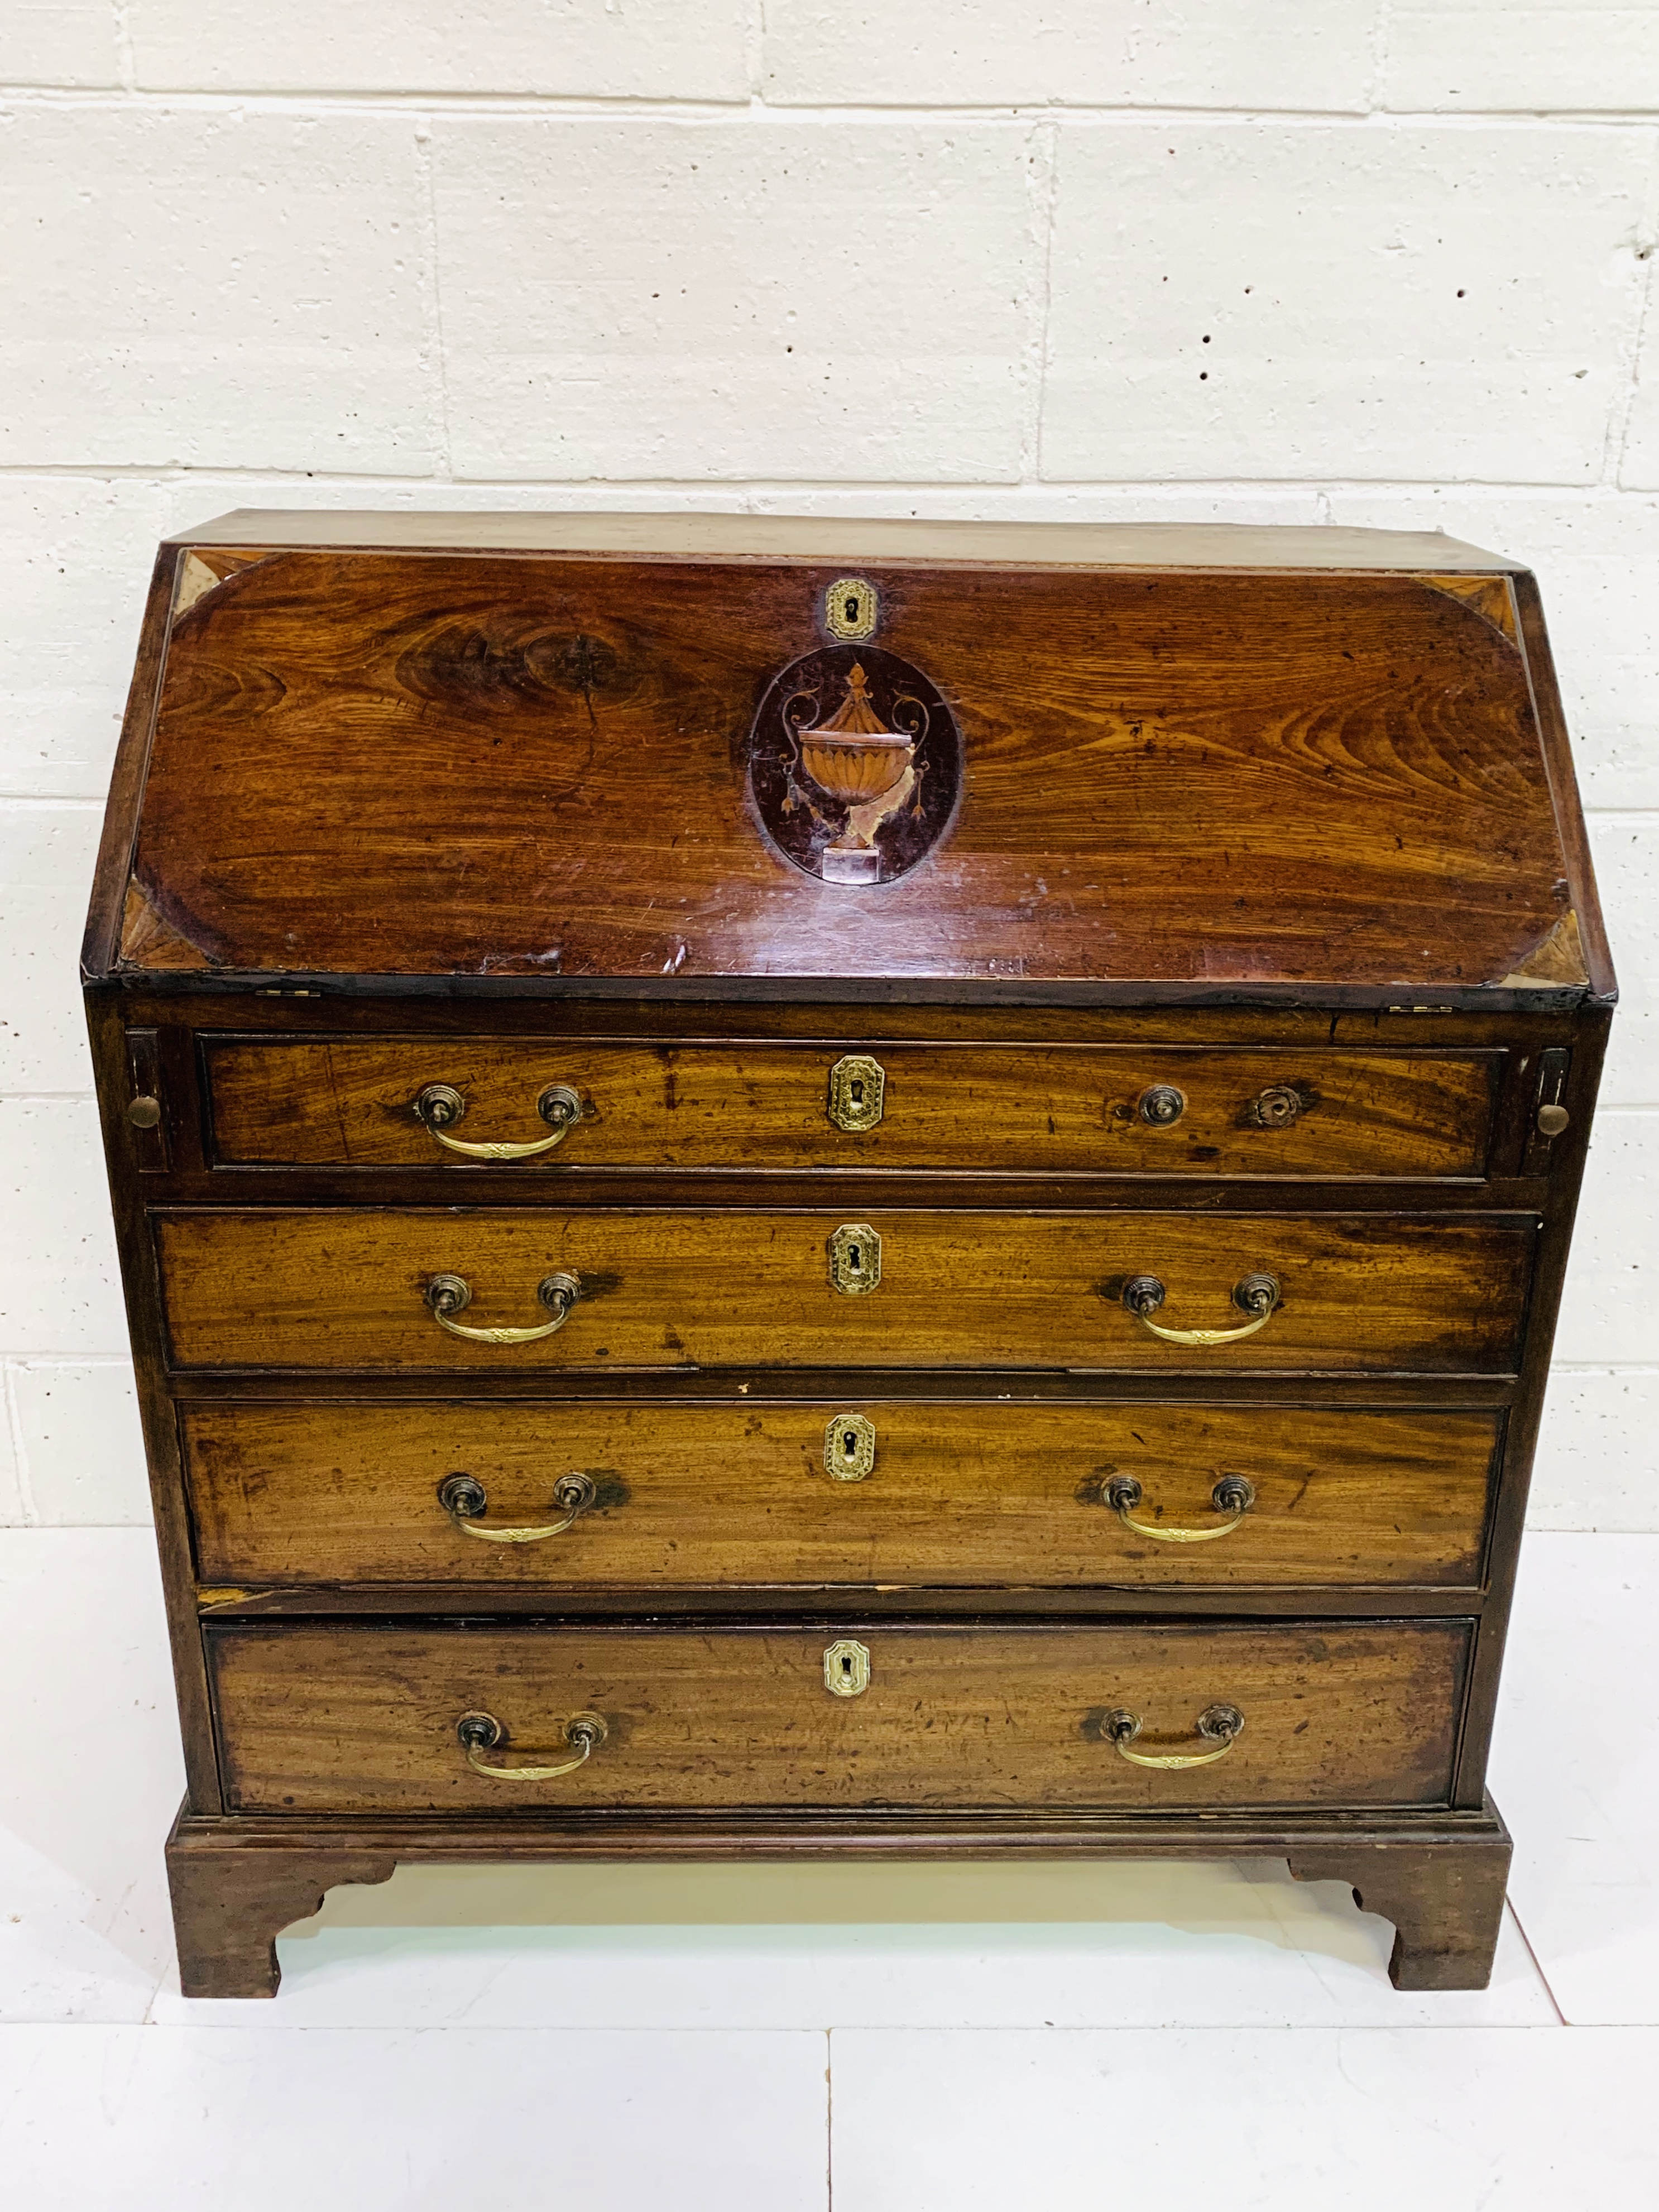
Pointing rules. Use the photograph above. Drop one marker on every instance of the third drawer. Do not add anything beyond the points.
(353, 1718)
(855, 1493)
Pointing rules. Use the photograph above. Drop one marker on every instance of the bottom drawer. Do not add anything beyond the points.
(366, 1718)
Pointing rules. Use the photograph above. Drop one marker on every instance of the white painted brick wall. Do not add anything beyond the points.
(955, 257)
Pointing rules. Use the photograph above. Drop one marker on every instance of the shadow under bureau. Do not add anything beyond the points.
(849, 1188)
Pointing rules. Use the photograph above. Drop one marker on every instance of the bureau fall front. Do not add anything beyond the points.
(863, 1189)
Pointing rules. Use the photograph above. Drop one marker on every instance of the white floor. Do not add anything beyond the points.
(771, 2040)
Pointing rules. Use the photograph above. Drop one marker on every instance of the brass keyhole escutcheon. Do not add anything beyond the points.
(858, 1090)
(850, 610)
(855, 1259)
(849, 1448)
(847, 1668)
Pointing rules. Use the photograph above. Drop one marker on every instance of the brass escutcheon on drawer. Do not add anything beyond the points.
(849, 1447)
(855, 1259)
(858, 1090)
(846, 1667)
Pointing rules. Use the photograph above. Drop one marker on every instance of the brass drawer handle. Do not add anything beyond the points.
(1257, 1294)
(439, 1106)
(1219, 1725)
(447, 1295)
(1232, 1496)
(464, 1499)
(481, 1732)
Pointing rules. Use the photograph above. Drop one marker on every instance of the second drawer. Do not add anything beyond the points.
(516, 1289)
(854, 1494)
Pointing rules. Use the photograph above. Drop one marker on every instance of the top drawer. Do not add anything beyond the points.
(1085, 1109)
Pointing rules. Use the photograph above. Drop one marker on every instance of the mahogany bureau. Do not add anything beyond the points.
(825, 1187)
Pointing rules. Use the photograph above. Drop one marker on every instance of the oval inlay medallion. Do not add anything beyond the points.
(854, 764)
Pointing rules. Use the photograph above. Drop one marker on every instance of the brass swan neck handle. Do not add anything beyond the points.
(449, 1295)
(1219, 1724)
(1257, 1295)
(463, 1498)
(439, 1106)
(478, 1733)
(1232, 1495)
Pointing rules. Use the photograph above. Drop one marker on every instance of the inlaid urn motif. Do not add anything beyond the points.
(854, 765)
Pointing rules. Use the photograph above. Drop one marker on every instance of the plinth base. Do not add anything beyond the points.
(238, 1882)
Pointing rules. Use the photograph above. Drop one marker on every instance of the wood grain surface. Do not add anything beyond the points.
(363, 1719)
(538, 766)
(321, 1101)
(738, 1495)
(344, 1289)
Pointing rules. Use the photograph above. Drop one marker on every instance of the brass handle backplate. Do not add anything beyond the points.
(1232, 1495)
(481, 1732)
(463, 1498)
(857, 1091)
(449, 1295)
(439, 1106)
(1255, 1294)
(1219, 1724)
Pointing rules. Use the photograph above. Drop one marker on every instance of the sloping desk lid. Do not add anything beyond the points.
(1161, 761)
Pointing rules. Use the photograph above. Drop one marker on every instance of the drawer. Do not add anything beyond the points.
(661, 1289)
(358, 1719)
(920, 1496)
(1271, 1111)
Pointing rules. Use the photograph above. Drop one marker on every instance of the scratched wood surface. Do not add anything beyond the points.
(739, 1495)
(752, 1288)
(478, 766)
(317, 1102)
(315, 1719)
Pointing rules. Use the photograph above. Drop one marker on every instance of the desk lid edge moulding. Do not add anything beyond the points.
(735, 756)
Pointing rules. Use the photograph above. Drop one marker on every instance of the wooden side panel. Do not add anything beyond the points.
(538, 767)
(739, 1494)
(349, 1289)
(343, 1719)
(314, 1101)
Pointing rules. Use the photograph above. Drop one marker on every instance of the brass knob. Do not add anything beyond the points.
(146, 1113)
(1551, 1120)
(1161, 1105)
